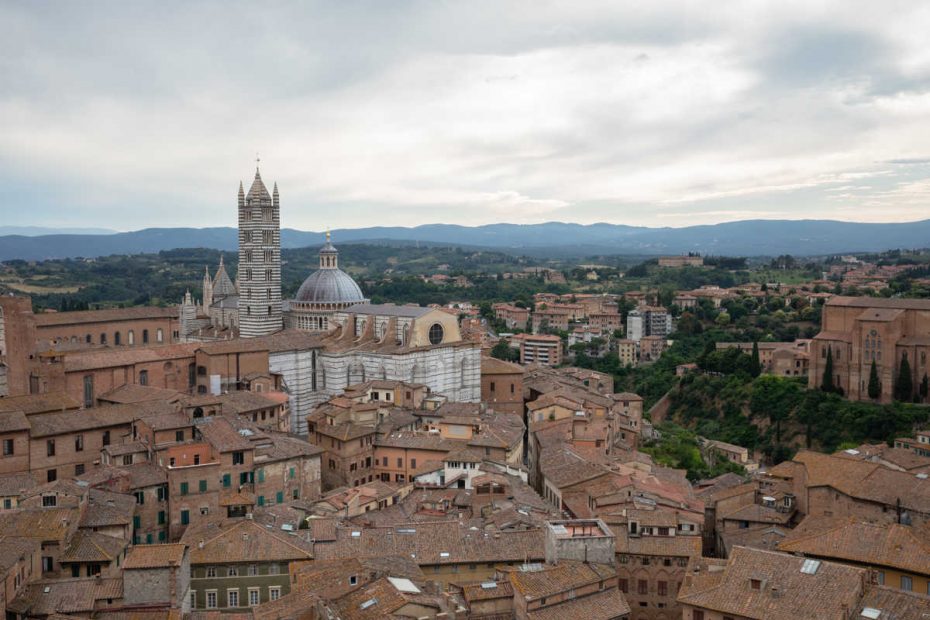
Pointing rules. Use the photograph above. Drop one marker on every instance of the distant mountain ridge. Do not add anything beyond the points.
(743, 238)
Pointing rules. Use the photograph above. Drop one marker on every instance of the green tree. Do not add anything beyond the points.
(503, 351)
(904, 387)
(755, 368)
(722, 319)
(924, 387)
(875, 386)
(827, 383)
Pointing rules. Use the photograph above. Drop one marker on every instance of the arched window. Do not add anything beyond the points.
(103, 338)
(88, 339)
(116, 338)
(143, 377)
(145, 336)
(131, 337)
(159, 335)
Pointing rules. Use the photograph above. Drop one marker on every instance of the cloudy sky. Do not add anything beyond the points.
(128, 115)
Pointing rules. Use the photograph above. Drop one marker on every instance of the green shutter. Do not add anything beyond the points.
(203, 486)
(292, 473)
(148, 539)
(183, 488)
(161, 536)
(185, 517)
(261, 500)
(136, 522)
(161, 517)
(226, 480)
(279, 498)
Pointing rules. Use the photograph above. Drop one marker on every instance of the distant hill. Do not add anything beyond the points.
(34, 231)
(744, 238)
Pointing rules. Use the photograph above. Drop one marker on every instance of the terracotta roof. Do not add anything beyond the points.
(487, 590)
(134, 393)
(434, 543)
(146, 475)
(756, 513)
(127, 356)
(87, 546)
(374, 601)
(77, 317)
(243, 541)
(39, 403)
(895, 546)
(296, 605)
(894, 604)
(322, 530)
(50, 424)
(13, 549)
(65, 596)
(106, 509)
(40, 523)
(154, 556)
(534, 582)
(13, 421)
(494, 366)
(823, 590)
(604, 605)
(879, 302)
(168, 420)
(674, 546)
(15, 484)
(219, 432)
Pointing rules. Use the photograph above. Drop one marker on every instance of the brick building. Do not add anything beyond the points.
(502, 385)
(860, 330)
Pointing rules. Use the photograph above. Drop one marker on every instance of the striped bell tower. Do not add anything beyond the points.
(259, 272)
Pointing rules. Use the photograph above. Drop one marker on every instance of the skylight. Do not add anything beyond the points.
(810, 567)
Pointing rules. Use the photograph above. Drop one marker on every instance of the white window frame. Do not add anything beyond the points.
(229, 594)
(274, 593)
(215, 599)
(232, 571)
(258, 597)
(211, 572)
(193, 601)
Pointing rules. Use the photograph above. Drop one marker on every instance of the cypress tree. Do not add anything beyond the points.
(755, 368)
(905, 385)
(924, 387)
(875, 388)
(827, 383)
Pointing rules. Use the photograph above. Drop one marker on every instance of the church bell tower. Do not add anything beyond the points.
(259, 272)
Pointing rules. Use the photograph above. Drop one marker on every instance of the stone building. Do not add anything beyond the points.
(325, 292)
(860, 330)
(259, 272)
(158, 576)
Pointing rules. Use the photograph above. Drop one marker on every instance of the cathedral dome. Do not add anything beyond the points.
(329, 286)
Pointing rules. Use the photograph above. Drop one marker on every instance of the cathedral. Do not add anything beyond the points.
(252, 305)
(345, 339)
(324, 292)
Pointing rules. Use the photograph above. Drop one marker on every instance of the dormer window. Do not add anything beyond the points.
(755, 584)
